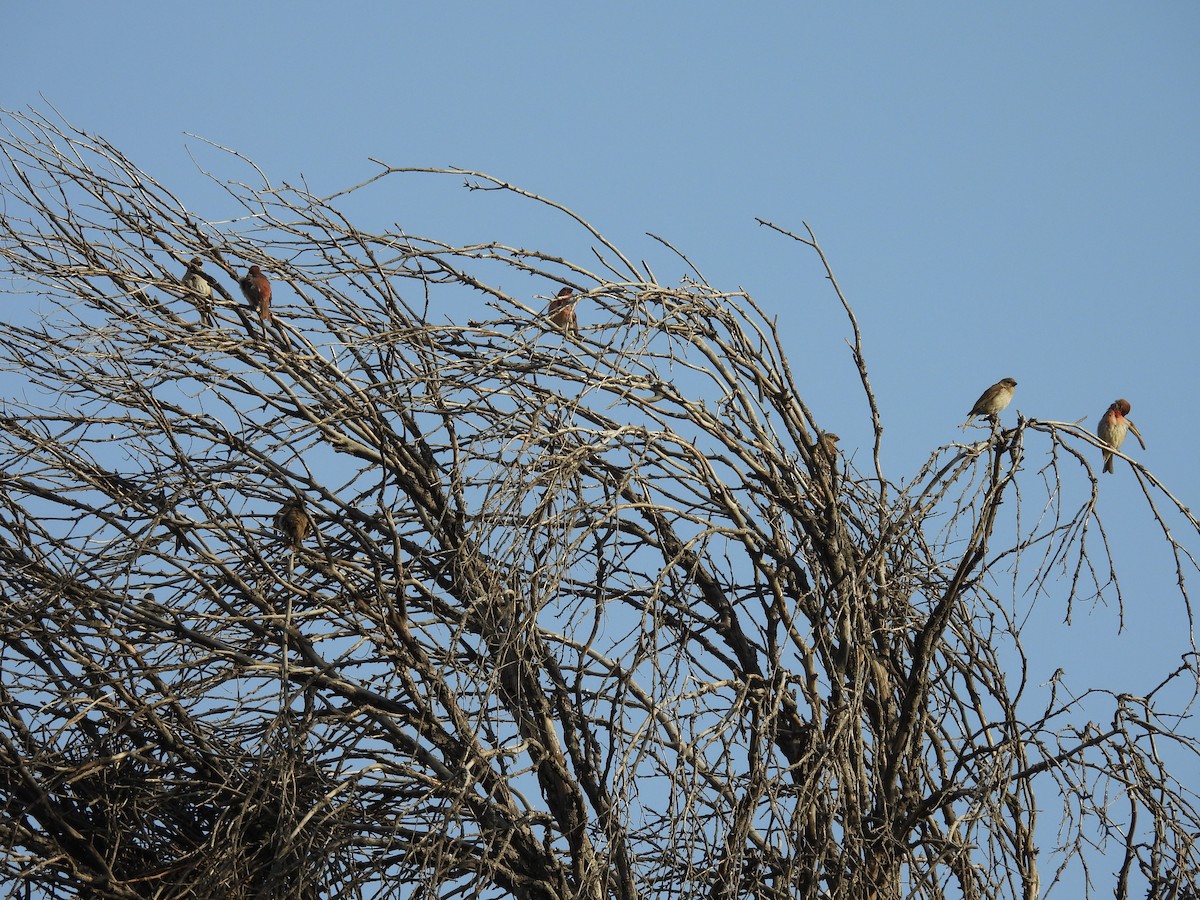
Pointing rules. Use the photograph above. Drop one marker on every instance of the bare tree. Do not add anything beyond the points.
(382, 597)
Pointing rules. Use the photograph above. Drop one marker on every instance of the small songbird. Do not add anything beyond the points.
(992, 401)
(293, 522)
(197, 282)
(1112, 429)
(257, 291)
(828, 445)
(562, 312)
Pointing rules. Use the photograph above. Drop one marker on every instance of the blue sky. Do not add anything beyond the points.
(1002, 189)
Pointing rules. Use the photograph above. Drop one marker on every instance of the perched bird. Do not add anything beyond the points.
(257, 291)
(293, 522)
(992, 401)
(562, 312)
(825, 453)
(828, 445)
(197, 282)
(1112, 429)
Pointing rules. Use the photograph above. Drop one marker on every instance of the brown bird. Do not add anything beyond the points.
(828, 445)
(1112, 429)
(562, 312)
(992, 401)
(293, 522)
(198, 283)
(257, 291)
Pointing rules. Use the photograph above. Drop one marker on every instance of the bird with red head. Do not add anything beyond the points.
(562, 312)
(1113, 427)
(257, 291)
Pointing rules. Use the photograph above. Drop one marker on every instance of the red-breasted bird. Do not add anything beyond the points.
(257, 291)
(1113, 427)
(562, 312)
(293, 522)
(201, 288)
(992, 401)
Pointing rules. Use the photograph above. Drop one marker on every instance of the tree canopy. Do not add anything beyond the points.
(408, 591)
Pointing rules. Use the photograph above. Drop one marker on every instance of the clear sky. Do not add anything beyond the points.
(1003, 189)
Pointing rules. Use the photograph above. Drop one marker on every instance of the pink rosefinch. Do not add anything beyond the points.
(293, 522)
(993, 400)
(257, 291)
(562, 312)
(1112, 429)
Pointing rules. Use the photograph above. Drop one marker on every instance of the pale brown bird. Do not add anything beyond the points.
(1112, 429)
(293, 522)
(562, 312)
(201, 288)
(828, 445)
(257, 291)
(992, 401)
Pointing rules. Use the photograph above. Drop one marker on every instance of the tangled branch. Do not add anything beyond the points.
(410, 591)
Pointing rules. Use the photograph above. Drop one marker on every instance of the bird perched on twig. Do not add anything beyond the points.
(992, 401)
(201, 288)
(293, 522)
(562, 312)
(828, 446)
(257, 291)
(1112, 429)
